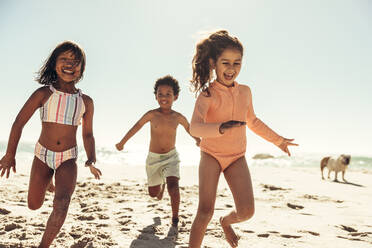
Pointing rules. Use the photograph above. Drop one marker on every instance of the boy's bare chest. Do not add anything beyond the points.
(164, 123)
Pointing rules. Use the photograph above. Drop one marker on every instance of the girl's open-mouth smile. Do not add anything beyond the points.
(228, 76)
(68, 71)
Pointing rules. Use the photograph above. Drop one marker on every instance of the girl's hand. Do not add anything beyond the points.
(230, 124)
(119, 146)
(284, 145)
(95, 171)
(5, 164)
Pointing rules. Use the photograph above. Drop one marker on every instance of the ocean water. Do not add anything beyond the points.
(135, 155)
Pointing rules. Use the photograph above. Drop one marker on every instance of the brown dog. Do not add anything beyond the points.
(336, 165)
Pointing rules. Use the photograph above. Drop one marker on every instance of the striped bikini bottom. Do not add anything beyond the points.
(54, 159)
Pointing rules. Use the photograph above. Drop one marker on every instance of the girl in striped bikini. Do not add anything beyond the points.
(62, 106)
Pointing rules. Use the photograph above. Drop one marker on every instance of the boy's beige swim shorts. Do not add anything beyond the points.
(161, 166)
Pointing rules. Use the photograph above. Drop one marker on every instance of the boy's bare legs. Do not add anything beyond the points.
(239, 180)
(174, 194)
(65, 181)
(157, 191)
(209, 174)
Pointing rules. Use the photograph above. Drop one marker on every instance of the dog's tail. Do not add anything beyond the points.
(324, 162)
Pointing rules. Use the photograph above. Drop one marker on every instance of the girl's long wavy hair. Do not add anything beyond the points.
(47, 74)
(210, 48)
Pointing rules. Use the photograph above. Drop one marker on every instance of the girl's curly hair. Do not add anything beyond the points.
(210, 48)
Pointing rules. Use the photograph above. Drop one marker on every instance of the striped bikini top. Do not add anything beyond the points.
(63, 108)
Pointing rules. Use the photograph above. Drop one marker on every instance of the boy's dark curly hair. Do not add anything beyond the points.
(167, 80)
(47, 73)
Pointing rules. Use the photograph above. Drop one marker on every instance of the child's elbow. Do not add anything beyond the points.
(18, 124)
(251, 123)
(193, 131)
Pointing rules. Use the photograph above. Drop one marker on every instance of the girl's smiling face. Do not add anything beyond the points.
(228, 66)
(68, 68)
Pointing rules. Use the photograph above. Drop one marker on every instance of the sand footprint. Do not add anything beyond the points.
(11, 227)
(294, 206)
(288, 236)
(352, 239)
(92, 209)
(128, 209)
(347, 228)
(86, 217)
(361, 234)
(103, 216)
(126, 221)
(272, 187)
(76, 233)
(38, 224)
(83, 205)
(20, 219)
(84, 242)
(310, 232)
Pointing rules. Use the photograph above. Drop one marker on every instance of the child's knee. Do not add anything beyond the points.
(245, 213)
(153, 194)
(154, 190)
(34, 205)
(33, 202)
(205, 213)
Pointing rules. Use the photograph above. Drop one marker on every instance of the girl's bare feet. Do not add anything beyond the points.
(161, 192)
(230, 235)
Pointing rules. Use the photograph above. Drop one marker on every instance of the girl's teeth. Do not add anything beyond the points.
(68, 71)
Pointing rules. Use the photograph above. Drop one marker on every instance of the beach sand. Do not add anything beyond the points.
(294, 208)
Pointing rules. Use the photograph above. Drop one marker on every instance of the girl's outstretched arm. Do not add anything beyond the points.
(32, 104)
(88, 138)
(139, 124)
(261, 129)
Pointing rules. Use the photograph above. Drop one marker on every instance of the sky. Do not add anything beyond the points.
(308, 63)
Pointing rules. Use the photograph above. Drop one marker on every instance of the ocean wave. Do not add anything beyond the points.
(135, 155)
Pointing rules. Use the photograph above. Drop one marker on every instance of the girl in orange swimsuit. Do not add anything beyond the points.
(62, 107)
(222, 110)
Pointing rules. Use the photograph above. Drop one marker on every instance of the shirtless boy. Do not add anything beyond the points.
(162, 163)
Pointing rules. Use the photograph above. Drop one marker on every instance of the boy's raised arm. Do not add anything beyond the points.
(139, 124)
(183, 121)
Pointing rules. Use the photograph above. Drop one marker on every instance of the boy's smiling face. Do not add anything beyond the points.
(165, 96)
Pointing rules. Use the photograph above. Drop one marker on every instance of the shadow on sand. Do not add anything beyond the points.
(350, 183)
(148, 237)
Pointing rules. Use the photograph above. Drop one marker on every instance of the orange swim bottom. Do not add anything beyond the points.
(225, 160)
